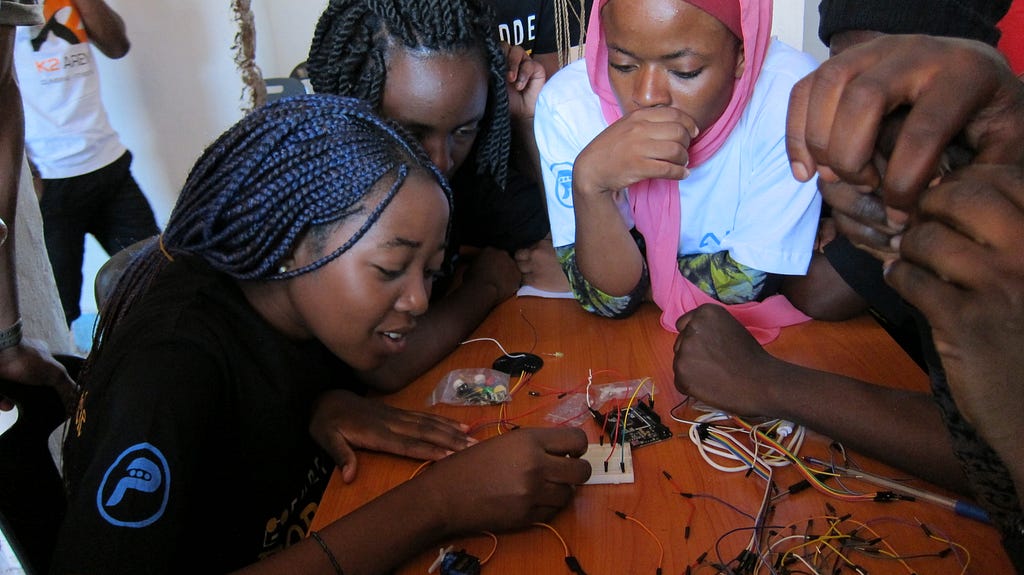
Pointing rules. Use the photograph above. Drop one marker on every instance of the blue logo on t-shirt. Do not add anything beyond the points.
(709, 239)
(563, 183)
(135, 487)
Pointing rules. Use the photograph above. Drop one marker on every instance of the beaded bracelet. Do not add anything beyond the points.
(327, 550)
(10, 336)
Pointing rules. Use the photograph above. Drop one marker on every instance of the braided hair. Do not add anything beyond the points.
(351, 43)
(297, 165)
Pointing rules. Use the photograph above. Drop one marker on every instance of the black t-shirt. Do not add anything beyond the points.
(488, 216)
(531, 23)
(195, 453)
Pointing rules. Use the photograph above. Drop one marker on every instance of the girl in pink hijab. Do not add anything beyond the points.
(665, 167)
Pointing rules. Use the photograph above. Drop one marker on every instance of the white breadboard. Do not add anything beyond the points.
(622, 457)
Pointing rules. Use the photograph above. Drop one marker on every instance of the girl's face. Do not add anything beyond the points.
(440, 98)
(670, 53)
(364, 303)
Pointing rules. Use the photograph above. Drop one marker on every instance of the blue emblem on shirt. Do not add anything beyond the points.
(135, 487)
(563, 183)
(710, 239)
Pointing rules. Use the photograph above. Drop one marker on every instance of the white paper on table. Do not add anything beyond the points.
(530, 291)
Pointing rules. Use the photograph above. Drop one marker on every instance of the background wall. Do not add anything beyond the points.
(177, 89)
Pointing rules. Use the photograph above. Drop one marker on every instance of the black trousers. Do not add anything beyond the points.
(106, 203)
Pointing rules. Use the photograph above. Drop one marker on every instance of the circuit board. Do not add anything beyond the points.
(609, 463)
(642, 425)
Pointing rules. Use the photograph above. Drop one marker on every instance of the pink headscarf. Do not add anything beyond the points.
(655, 203)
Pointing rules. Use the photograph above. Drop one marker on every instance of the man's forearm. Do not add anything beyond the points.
(901, 428)
(12, 142)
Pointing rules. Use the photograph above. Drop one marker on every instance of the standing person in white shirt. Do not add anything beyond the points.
(85, 182)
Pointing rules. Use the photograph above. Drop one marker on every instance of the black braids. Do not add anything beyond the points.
(493, 155)
(233, 221)
(352, 38)
(345, 56)
(351, 174)
(403, 172)
(288, 167)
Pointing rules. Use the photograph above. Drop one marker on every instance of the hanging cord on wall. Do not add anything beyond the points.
(254, 91)
(569, 14)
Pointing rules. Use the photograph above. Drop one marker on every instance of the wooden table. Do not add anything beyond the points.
(687, 528)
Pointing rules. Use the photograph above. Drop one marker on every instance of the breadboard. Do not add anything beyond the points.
(622, 457)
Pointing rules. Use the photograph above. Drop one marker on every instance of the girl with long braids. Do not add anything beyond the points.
(301, 248)
(437, 68)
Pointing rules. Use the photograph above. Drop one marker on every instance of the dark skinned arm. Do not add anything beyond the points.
(718, 362)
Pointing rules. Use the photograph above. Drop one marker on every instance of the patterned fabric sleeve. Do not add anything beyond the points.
(596, 301)
(716, 274)
(722, 277)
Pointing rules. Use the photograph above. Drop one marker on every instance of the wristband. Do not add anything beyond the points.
(10, 336)
(327, 551)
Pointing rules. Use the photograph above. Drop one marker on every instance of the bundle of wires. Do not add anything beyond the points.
(714, 433)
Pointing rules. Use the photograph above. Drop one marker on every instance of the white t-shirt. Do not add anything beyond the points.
(67, 132)
(744, 199)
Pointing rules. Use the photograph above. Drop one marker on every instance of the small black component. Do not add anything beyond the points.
(517, 363)
(642, 426)
(460, 563)
(798, 486)
(574, 565)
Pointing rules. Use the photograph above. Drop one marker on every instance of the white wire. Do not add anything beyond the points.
(771, 549)
(496, 342)
(706, 450)
(590, 381)
(771, 457)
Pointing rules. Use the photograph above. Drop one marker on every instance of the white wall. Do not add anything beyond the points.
(177, 89)
(795, 22)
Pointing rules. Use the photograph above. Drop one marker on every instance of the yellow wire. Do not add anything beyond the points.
(885, 542)
(629, 404)
(807, 472)
(501, 410)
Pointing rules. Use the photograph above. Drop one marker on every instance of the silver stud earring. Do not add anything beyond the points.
(283, 269)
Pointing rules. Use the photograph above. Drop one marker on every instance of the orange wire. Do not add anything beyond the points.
(661, 548)
(557, 534)
(524, 377)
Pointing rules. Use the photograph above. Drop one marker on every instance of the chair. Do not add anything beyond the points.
(282, 87)
(32, 497)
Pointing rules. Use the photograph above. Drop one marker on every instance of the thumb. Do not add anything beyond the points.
(343, 455)
(681, 323)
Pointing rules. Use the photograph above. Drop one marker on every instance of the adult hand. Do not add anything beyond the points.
(951, 86)
(509, 481)
(645, 143)
(30, 363)
(961, 264)
(525, 77)
(495, 270)
(540, 268)
(718, 362)
(860, 215)
(343, 422)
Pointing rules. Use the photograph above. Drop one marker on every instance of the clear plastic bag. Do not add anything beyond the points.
(575, 409)
(472, 386)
